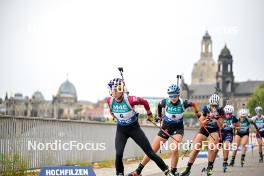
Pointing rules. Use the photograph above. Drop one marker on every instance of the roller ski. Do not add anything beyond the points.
(208, 171)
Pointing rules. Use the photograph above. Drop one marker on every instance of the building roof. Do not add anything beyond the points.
(67, 89)
(202, 89)
(38, 96)
(248, 87)
(206, 36)
(225, 52)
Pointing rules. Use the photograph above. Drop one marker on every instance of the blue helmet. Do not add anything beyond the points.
(173, 90)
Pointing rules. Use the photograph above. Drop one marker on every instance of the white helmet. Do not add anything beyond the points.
(243, 112)
(258, 110)
(229, 109)
(214, 99)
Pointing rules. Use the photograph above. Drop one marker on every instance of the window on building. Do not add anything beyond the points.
(228, 86)
(201, 77)
(229, 67)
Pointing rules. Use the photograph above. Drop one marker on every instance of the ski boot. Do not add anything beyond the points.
(232, 162)
(168, 173)
(120, 174)
(134, 173)
(209, 171)
(224, 167)
(187, 172)
(261, 159)
(176, 174)
(242, 162)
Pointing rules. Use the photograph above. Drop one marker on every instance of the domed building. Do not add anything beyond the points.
(209, 77)
(67, 92)
(38, 106)
(205, 69)
(65, 102)
(38, 97)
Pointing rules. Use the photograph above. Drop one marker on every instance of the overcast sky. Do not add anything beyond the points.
(43, 40)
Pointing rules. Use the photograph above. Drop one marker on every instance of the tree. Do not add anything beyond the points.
(257, 99)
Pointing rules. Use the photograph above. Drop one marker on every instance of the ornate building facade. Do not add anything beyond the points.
(209, 77)
(64, 105)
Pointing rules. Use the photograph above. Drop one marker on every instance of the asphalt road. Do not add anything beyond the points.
(251, 168)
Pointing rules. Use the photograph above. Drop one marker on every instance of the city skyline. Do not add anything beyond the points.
(40, 43)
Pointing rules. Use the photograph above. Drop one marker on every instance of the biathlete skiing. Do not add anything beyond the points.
(230, 123)
(121, 107)
(172, 126)
(258, 120)
(211, 121)
(242, 136)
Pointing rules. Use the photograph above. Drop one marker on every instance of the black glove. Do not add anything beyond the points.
(158, 119)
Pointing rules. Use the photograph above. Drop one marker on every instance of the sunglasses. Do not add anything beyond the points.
(119, 88)
(173, 96)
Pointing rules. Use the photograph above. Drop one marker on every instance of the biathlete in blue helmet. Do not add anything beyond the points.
(172, 124)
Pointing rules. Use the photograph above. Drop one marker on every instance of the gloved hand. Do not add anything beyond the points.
(232, 126)
(197, 114)
(158, 119)
(204, 122)
(150, 117)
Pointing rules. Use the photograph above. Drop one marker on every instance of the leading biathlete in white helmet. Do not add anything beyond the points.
(211, 121)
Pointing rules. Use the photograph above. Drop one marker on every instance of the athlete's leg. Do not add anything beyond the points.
(120, 142)
(155, 147)
(236, 144)
(226, 149)
(212, 149)
(235, 147)
(175, 152)
(259, 140)
(244, 142)
(197, 144)
(140, 138)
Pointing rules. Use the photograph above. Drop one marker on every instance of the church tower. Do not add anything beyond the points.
(225, 76)
(205, 69)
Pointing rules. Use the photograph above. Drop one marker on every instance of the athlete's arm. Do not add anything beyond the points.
(203, 120)
(107, 100)
(236, 122)
(253, 121)
(133, 100)
(194, 106)
(188, 104)
(161, 105)
(220, 122)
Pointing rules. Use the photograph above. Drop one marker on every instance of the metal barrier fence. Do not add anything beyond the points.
(35, 141)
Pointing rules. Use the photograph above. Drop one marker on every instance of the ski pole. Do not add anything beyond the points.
(121, 70)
